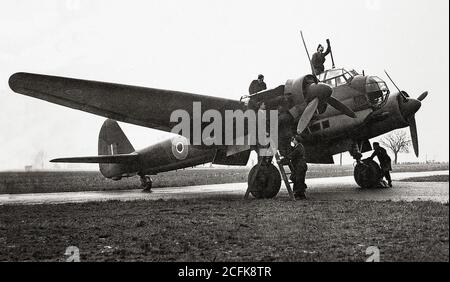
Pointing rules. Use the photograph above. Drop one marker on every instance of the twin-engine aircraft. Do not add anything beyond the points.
(335, 112)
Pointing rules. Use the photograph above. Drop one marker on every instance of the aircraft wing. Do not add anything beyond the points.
(142, 106)
(106, 159)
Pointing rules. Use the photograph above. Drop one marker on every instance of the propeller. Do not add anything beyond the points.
(413, 132)
(316, 94)
(307, 115)
(409, 107)
(422, 96)
(340, 107)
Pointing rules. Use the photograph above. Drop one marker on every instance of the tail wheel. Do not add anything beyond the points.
(267, 182)
(367, 174)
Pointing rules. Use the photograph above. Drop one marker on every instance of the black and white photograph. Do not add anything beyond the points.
(245, 133)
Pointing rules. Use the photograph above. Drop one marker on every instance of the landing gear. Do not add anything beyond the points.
(146, 183)
(264, 182)
(367, 172)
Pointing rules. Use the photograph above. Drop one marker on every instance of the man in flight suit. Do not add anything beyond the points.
(318, 59)
(384, 159)
(298, 168)
(257, 85)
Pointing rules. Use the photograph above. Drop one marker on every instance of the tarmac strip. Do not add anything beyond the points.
(330, 188)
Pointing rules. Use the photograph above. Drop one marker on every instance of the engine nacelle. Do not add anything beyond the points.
(295, 88)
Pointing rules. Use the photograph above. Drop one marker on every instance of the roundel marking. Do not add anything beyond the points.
(180, 148)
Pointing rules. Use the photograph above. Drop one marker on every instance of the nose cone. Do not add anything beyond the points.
(321, 91)
(409, 107)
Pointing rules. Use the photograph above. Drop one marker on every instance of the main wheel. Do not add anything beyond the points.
(146, 183)
(367, 174)
(267, 182)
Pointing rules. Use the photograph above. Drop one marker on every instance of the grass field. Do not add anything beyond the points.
(55, 181)
(227, 229)
(432, 178)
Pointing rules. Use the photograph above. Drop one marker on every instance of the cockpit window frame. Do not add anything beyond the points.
(332, 81)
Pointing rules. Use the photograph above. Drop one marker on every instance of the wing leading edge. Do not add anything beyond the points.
(142, 106)
(111, 159)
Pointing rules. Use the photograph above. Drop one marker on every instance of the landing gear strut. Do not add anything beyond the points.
(146, 183)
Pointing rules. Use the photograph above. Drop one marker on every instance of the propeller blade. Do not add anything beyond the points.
(340, 107)
(413, 131)
(307, 115)
(423, 96)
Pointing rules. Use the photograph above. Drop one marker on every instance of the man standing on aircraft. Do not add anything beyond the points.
(318, 59)
(299, 166)
(384, 159)
(257, 85)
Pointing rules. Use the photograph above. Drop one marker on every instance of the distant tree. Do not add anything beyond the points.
(397, 142)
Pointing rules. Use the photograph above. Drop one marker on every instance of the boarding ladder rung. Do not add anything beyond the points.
(285, 175)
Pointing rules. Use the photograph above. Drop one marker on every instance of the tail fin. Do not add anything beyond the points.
(116, 158)
(112, 141)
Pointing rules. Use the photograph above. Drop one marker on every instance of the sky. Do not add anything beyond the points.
(209, 47)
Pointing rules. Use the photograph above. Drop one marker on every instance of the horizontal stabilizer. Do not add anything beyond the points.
(107, 159)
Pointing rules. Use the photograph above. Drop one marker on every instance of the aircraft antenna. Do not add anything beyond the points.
(307, 53)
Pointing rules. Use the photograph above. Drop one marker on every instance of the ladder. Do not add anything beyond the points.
(284, 174)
